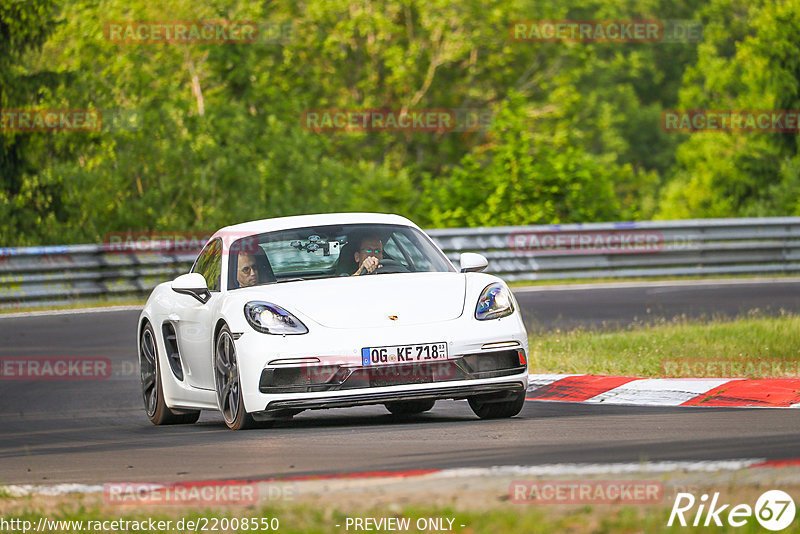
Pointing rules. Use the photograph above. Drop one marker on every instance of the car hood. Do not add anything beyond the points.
(372, 300)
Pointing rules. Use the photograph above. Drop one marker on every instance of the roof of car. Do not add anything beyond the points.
(300, 221)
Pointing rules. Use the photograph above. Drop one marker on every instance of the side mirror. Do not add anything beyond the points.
(192, 284)
(472, 263)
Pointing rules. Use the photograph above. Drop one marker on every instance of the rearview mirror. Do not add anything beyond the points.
(192, 284)
(472, 262)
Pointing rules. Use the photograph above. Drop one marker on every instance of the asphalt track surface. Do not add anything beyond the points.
(96, 431)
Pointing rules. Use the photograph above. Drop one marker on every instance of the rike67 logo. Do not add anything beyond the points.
(774, 510)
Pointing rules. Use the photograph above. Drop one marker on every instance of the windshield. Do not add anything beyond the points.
(330, 251)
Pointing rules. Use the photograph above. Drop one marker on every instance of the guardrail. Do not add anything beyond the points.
(40, 276)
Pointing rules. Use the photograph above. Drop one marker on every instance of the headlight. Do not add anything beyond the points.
(494, 302)
(272, 319)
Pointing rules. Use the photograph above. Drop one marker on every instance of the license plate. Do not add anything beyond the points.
(394, 354)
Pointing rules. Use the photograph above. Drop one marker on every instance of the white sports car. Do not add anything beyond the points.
(326, 311)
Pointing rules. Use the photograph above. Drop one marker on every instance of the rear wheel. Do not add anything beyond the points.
(228, 385)
(410, 407)
(152, 389)
(494, 407)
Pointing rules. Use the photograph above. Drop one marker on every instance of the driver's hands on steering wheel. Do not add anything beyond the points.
(370, 264)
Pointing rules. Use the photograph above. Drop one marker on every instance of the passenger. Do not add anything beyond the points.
(246, 272)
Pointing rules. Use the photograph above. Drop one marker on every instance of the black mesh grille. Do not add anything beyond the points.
(330, 378)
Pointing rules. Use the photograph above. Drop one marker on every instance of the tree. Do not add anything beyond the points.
(750, 61)
(26, 200)
(526, 176)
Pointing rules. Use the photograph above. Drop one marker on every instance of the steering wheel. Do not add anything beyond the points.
(388, 265)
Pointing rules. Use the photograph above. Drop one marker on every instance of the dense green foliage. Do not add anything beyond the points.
(750, 60)
(216, 136)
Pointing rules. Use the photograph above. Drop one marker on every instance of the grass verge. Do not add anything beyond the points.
(751, 347)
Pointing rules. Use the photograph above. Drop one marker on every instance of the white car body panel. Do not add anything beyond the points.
(343, 315)
(194, 324)
(368, 301)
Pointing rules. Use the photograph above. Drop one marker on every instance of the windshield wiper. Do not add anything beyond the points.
(291, 280)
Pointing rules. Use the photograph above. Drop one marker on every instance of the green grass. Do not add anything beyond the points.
(760, 346)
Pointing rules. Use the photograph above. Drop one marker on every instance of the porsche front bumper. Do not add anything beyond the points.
(483, 359)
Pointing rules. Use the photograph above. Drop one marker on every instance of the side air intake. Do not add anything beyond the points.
(171, 343)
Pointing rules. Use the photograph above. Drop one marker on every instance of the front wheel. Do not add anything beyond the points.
(152, 387)
(493, 407)
(229, 387)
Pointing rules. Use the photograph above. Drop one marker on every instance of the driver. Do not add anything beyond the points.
(246, 271)
(368, 255)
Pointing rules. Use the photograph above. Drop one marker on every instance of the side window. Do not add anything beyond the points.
(209, 264)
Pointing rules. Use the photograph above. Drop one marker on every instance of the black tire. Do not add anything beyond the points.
(152, 387)
(228, 385)
(411, 407)
(497, 408)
